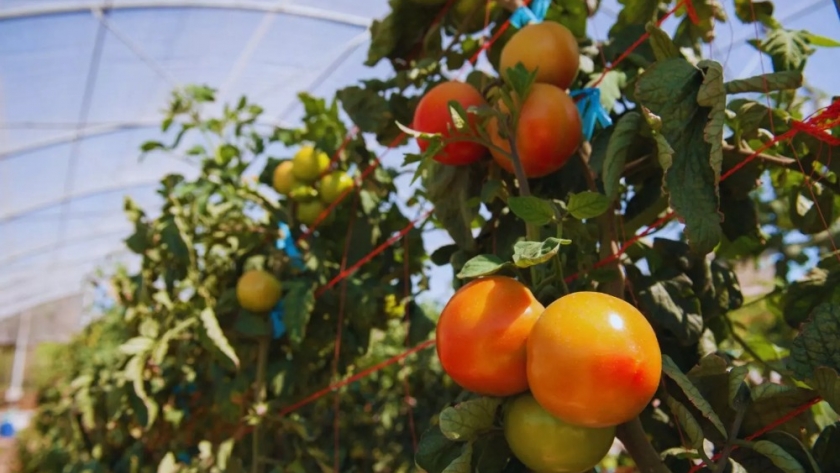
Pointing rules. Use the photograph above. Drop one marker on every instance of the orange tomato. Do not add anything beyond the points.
(432, 116)
(547, 135)
(548, 48)
(481, 335)
(593, 360)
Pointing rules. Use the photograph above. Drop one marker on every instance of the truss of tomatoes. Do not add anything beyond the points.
(549, 130)
(572, 371)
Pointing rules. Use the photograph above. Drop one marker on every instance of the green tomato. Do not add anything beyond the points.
(308, 164)
(283, 180)
(333, 185)
(308, 211)
(547, 444)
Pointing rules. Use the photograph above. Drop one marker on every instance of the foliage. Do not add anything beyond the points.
(180, 378)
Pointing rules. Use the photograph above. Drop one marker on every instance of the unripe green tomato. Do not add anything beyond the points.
(308, 211)
(283, 180)
(547, 444)
(309, 164)
(333, 185)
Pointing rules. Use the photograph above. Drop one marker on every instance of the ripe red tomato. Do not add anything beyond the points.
(432, 116)
(547, 135)
(593, 360)
(481, 335)
(547, 444)
(548, 48)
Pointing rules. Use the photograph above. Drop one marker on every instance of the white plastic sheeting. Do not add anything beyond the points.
(82, 84)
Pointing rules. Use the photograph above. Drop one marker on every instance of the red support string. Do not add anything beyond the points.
(767, 428)
(376, 251)
(356, 377)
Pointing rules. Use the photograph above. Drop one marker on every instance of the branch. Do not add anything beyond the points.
(634, 439)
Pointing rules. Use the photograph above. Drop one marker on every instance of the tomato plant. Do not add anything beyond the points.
(593, 360)
(548, 444)
(481, 335)
(433, 115)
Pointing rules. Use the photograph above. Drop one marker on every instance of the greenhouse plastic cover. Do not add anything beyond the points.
(83, 83)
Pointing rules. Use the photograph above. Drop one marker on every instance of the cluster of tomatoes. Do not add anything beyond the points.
(549, 128)
(305, 180)
(571, 371)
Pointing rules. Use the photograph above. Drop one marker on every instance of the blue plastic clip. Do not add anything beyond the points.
(287, 244)
(591, 111)
(535, 13)
(277, 325)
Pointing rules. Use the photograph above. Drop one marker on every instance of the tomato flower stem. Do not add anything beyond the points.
(635, 441)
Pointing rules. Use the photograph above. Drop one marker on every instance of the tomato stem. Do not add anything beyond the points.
(532, 232)
(635, 441)
(259, 389)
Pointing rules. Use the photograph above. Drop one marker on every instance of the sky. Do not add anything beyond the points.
(80, 91)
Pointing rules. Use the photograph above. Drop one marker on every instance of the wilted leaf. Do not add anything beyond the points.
(530, 253)
(134, 373)
(215, 334)
(713, 96)
(465, 421)
(136, 345)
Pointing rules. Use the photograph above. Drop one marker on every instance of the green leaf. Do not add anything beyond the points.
(481, 265)
(713, 96)
(821, 41)
(669, 89)
(462, 464)
(491, 453)
(162, 345)
(788, 49)
(465, 421)
(671, 370)
(134, 372)
(531, 253)
(817, 344)
(663, 46)
(520, 79)
(151, 145)
(739, 391)
(532, 209)
(827, 383)
(744, 10)
(136, 345)
(588, 204)
(635, 12)
(781, 458)
(621, 141)
(673, 304)
(299, 302)
(827, 447)
(252, 325)
(368, 110)
(689, 424)
(435, 452)
(215, 334)
(783, 80)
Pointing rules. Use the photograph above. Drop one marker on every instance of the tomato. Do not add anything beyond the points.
(308, 211)
(481, 335)
(283, 180)
(309, 164)
(547, 47)
(547, 444)
(432, 116)
(333, 185)
(593, 360)
(258, 290)
(548, 133)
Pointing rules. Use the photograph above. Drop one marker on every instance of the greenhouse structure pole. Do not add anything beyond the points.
(15, 391)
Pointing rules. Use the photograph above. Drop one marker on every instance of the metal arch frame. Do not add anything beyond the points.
(79, 6)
